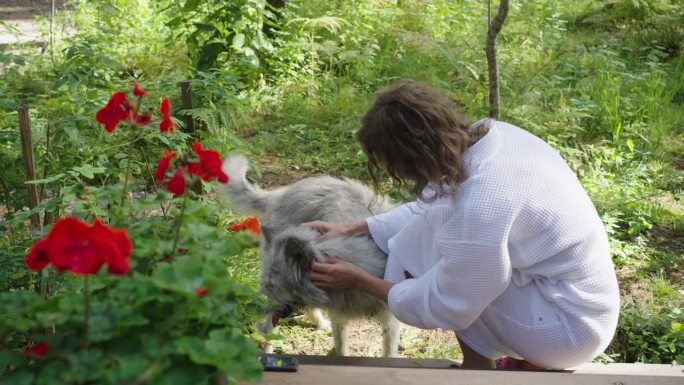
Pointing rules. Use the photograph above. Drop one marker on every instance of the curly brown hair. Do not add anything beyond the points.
(413, 133)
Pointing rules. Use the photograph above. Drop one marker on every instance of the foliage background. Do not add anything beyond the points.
(601, 81)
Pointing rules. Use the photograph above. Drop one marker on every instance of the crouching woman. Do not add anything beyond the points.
(502, 244)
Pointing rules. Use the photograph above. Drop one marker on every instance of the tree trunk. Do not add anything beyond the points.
(492, 65)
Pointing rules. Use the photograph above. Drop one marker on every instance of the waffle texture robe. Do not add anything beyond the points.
(516, 261)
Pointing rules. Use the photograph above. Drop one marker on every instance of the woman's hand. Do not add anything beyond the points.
(333, 230)
(336, 274)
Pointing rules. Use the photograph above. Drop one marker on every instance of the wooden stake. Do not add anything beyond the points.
(186, 94)
(29, 163)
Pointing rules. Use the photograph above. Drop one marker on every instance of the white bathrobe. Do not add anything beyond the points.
(517, 261)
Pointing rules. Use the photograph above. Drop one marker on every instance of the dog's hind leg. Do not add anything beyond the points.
(391, 333)
(339, 329)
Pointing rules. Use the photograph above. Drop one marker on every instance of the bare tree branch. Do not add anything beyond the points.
(492, 65)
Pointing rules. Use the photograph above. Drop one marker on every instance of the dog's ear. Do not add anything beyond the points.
(299, 252)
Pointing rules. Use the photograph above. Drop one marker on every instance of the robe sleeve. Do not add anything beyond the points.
(455, 291)
(384, 226)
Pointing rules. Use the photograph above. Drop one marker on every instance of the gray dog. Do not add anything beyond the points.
(288, 249)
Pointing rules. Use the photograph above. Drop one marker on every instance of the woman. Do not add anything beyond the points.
(502, 243)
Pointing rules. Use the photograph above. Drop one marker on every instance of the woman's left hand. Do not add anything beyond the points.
(336, 274)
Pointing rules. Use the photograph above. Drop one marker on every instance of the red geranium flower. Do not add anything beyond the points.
(177, 184)
(164, 164)
(74, 246)
(37, 258)
(116, 247)
(116, 110)
(209, 166)
(70, 247)
(143, 120)
(251, 224)
(137, 91)
(201, 292)
(166, 124)
(37, 350)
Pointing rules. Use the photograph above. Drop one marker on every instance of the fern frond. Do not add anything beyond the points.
(332, 23)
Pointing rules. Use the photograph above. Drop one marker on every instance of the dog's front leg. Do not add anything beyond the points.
(266, 327)
(316, 315)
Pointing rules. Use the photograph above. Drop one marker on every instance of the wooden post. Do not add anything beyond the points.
(186, 94)
(48, 216)
(29, 163)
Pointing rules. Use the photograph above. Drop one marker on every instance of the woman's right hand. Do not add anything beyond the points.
(328, 230)
(333, 230)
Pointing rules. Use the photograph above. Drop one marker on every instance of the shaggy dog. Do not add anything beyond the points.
(289, 249)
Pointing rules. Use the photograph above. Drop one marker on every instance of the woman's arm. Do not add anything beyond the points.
(338, 274)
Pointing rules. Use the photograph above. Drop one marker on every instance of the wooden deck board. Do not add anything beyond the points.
(321, 370)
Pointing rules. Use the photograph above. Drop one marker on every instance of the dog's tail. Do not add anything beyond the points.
(245, 197)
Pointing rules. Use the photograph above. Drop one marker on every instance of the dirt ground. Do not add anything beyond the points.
(21, 14)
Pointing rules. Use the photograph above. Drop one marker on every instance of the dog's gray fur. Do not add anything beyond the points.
(288, 249)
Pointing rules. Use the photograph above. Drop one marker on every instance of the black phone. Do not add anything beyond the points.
(276, 363)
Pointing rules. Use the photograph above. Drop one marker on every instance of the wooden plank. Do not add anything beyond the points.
(387, 362)
(345, 375)
(635, 369)
(381, 362)
(317, 370)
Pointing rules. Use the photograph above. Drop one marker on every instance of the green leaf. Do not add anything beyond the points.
(87, 366)
(238, 41)
(72, 133)
(110, 319)
(88, 170)
(630, 145)
(55, 372)
(191, 5)
(225, 349)
(8, 357)
(51, 179)
(21, 377)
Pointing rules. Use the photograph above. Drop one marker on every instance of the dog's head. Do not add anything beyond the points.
(287, 258)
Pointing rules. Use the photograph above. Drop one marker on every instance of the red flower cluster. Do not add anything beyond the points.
(119, 108)
(251, 224)
(164, 164)
(138, 92)
(208, 168)
(116, 110)
(74, 246)
(37, 350)
(167, 123)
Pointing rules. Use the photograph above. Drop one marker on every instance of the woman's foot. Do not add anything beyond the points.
(510, 363)
(472, 359)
